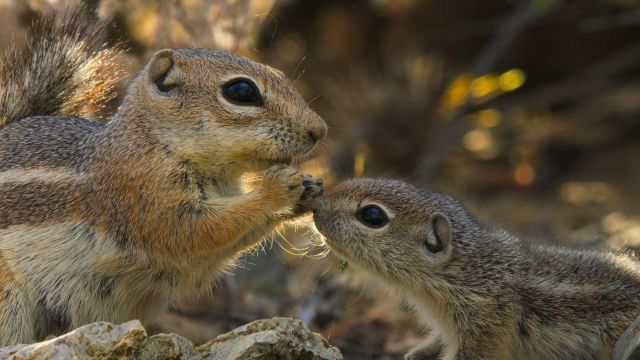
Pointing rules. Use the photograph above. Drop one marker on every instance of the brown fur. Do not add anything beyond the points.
(36, 203)
(486, 294)
(113, 222)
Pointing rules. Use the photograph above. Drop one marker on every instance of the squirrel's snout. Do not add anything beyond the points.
(317, 128)
(315, 135)
(318, 132)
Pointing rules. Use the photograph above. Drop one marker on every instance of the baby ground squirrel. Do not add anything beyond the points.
(484, 293)
(114, 221)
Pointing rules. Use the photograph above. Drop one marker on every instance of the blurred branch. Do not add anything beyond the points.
(453, 128)
(492, 25)
(606, 22)
(590, 81)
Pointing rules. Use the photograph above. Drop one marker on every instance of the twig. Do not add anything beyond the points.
(607, 22)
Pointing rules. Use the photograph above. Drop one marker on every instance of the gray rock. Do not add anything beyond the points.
(628, 346)
(277, 338)
(97, 340)
(167, 346)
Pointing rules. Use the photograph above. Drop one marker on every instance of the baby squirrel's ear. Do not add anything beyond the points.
(438, 233)
(162, 71)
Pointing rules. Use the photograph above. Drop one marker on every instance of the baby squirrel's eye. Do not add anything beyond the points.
(372, 216)
(242, 91)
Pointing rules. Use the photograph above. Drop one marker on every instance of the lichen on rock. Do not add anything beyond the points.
(277, 338)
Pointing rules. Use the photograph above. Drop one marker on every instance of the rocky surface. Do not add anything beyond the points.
(628, 346)
(277, 338)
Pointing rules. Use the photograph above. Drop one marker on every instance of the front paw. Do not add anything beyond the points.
(284, 185)
(313, 188)
(433, 352)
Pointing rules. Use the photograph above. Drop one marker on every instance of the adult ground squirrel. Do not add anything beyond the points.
(114, 221)
(484, 293)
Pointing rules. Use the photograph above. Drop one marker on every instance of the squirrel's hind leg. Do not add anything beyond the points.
(430, 349)
(16, 320)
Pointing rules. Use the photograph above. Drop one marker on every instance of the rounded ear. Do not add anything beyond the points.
(438, 233)
(162, 71)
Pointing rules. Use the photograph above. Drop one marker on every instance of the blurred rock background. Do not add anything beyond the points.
(529, 111)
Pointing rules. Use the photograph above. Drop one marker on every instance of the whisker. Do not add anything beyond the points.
(360, 294)
(275, 27)
(316, 98)
(295, 70)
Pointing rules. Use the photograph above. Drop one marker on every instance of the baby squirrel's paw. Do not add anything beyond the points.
(285, 184)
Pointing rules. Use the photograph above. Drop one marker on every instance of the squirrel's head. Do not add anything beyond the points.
(215, 108)
(393, 229)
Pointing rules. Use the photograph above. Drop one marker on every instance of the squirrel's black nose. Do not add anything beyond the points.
(318, 133)
(313, 135)
(318, 129)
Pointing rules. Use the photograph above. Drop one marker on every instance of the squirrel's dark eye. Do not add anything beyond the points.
(242, 92)
(372, 216)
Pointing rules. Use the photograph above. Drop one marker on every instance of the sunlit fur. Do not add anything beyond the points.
(490, 295)
(74, 77)
(116, 221)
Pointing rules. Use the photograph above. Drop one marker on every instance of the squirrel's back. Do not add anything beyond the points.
(66, 68)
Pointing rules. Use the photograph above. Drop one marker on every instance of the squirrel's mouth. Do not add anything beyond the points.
(340, 251)
(260, 164)
(287, 159)
(290, 155)
(335, 243)
(327, 236)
